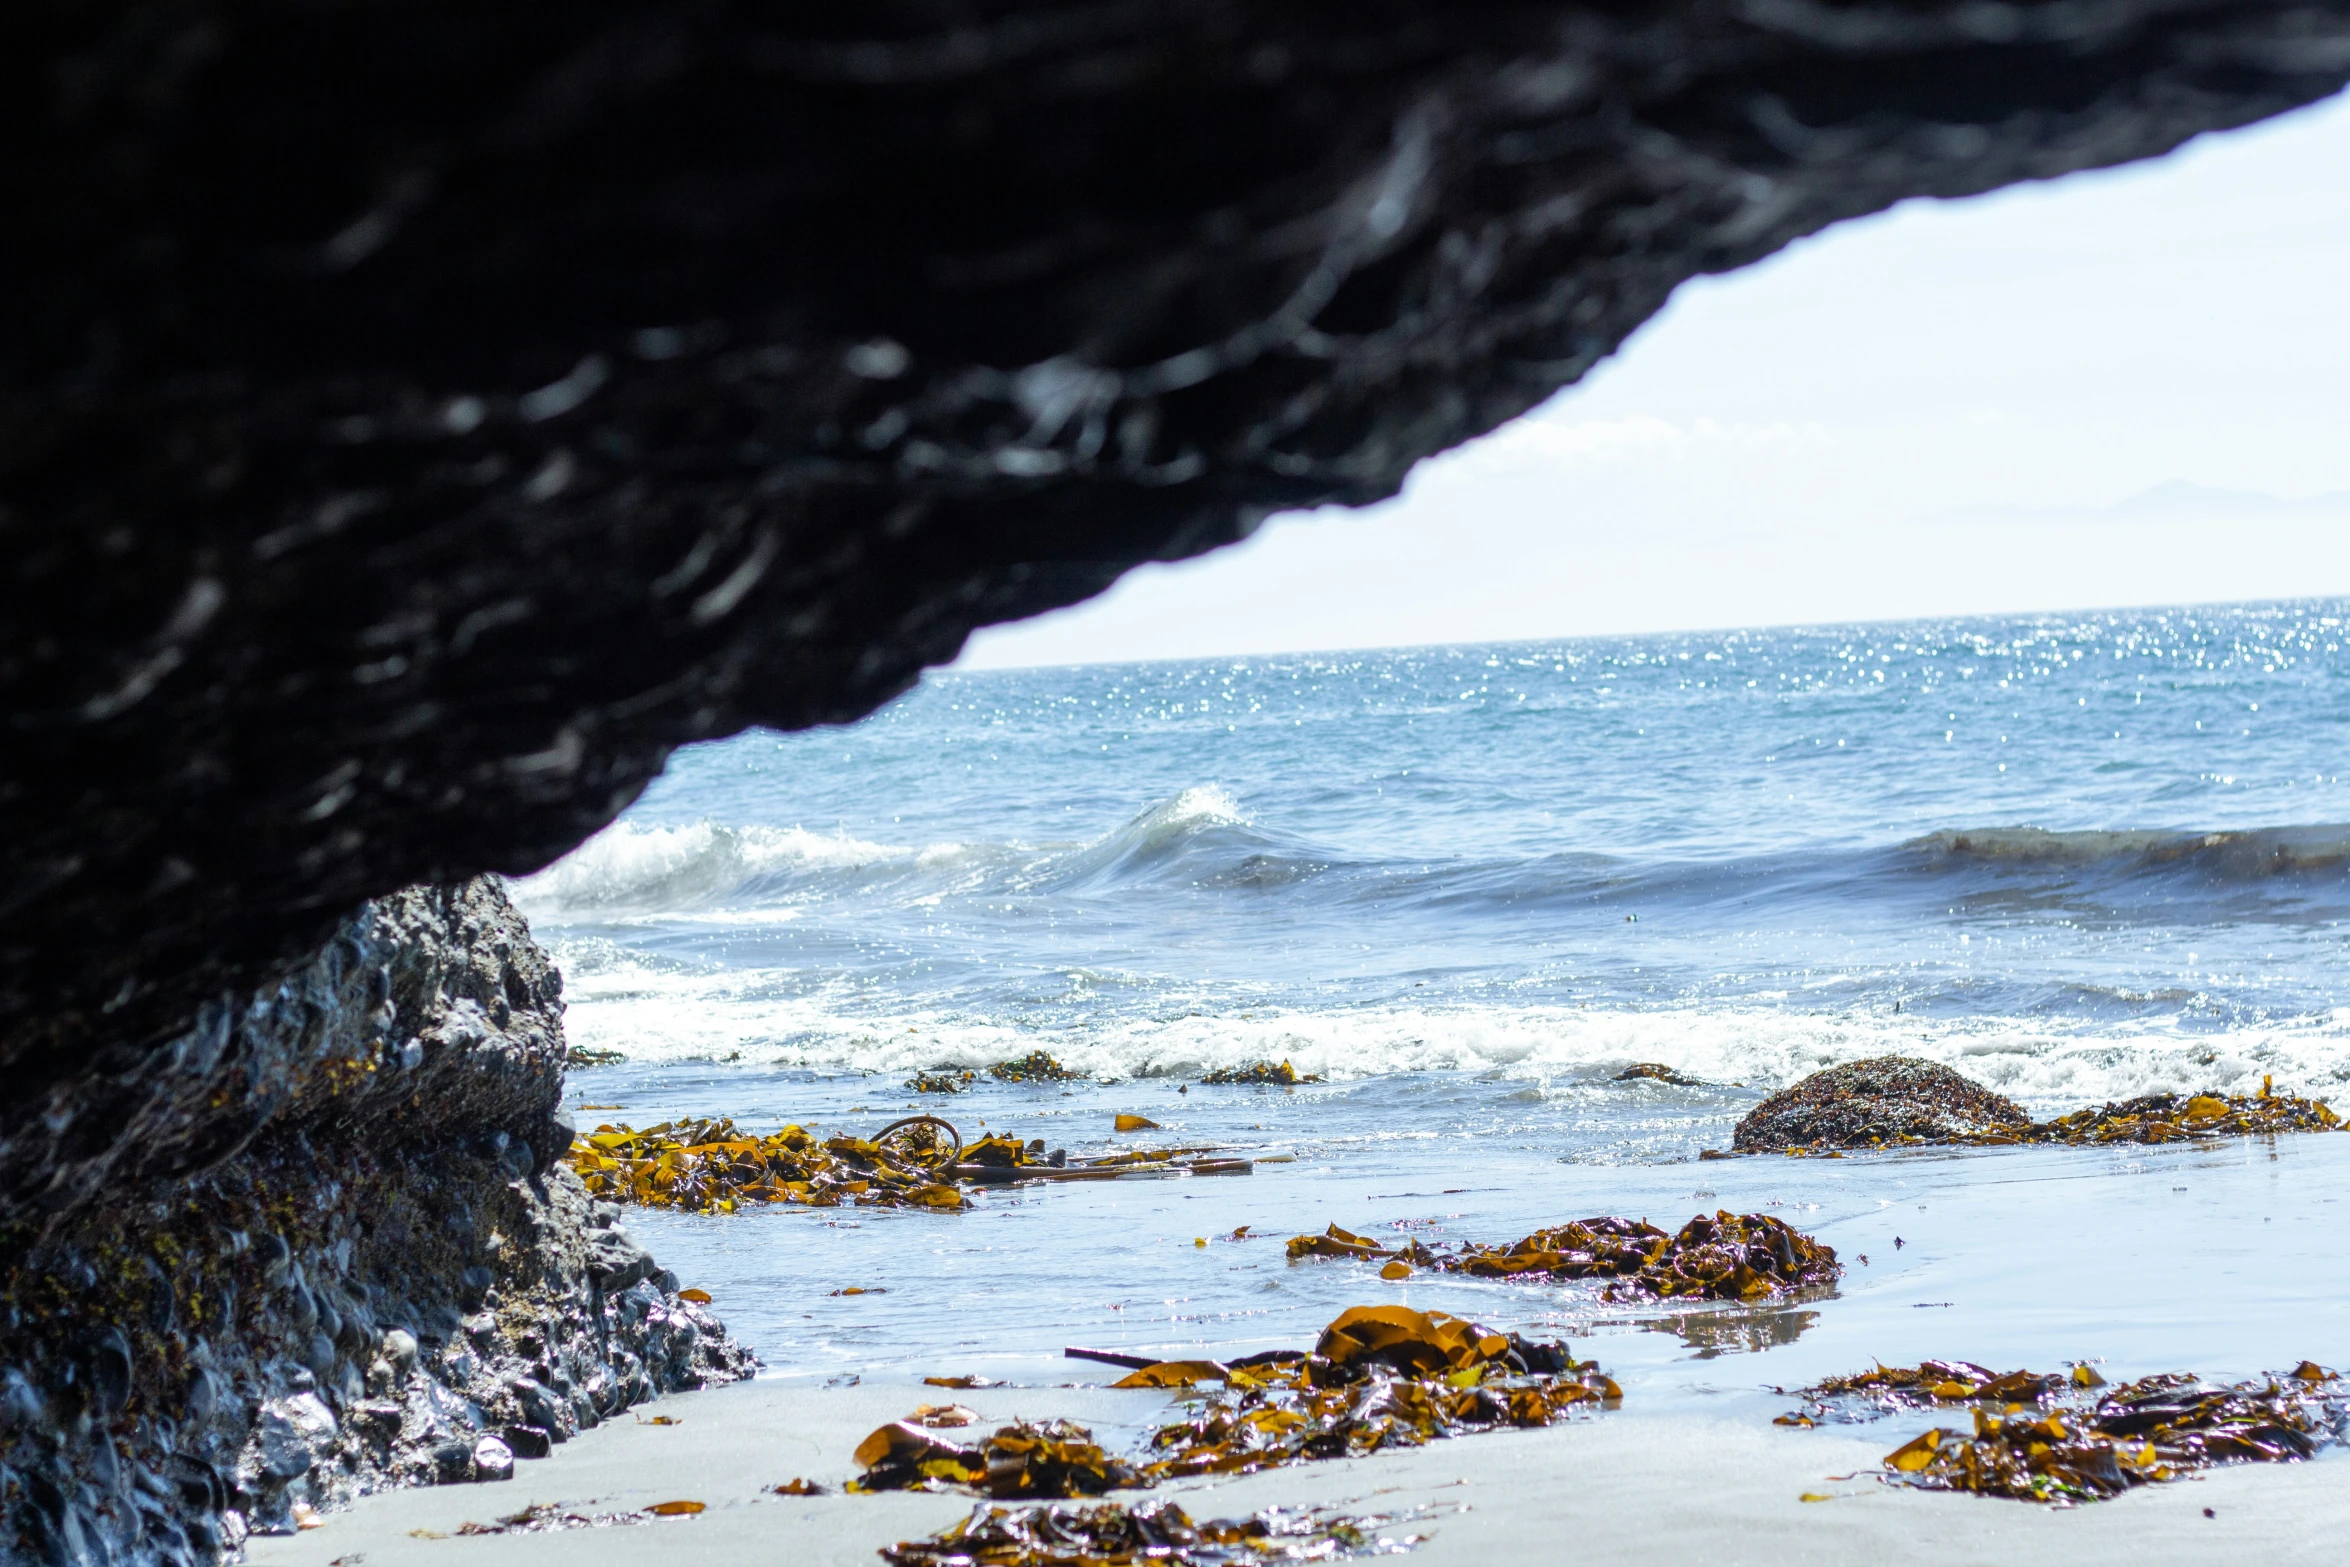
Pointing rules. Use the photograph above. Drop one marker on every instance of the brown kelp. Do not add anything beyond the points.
(1718, 1256)
(1048, 1458)
(2170, 1118)
(710, 1165)
(918, 1162)
(1378, 1377)
(1111, 1534)
(1034, 1067)
(1261, 1073)
(2072, 1437)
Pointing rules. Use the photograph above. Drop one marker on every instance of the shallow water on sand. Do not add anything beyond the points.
(2224, 1258)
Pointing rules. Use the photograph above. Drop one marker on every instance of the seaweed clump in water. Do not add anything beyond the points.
(1718, 1256)
(1657, 1071)
(2075, 1438)
(710, 1166)
(1114, 1535)
(1262, 1074)
(941, 1080)
(1034, 1067)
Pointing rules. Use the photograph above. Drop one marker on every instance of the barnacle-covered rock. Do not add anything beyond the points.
(1884, 1099)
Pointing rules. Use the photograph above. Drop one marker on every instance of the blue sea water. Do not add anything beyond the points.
(2089, 855)
(2080, 857)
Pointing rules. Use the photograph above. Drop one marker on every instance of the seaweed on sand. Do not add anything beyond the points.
(2065, 1438)
(1160, 1533)
(1718, 1256)
(918, 1162)
(1049, 1458)
(711, 1165)
(1378, 1377)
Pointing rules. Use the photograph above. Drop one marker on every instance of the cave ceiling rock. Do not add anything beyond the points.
(417, 419)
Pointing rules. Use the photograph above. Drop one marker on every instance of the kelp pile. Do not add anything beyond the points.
(1034, 1067)
(1262, 1074)
(2062, 1438)
(996, 1160)
(1931, 1384)
(919, 1162)
(1160, 1533)
(1378, 1377)
(2170, 1118)
(709, 1165)
(941, 1080)
(1048, 1458)
(1719, 1256)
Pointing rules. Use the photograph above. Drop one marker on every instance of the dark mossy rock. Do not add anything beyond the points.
(1656, 1071)
(328, 1251)
(1875, 1101)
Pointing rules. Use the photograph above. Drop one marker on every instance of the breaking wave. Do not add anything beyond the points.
(631, 869)
(651, 1014)
(1200, 836)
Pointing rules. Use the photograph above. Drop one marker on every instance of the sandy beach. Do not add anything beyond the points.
(2218, 1259)
(1619, 1487)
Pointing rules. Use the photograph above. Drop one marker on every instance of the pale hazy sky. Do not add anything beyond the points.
(1954, 407)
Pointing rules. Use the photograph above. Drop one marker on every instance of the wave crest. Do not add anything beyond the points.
(631, 869)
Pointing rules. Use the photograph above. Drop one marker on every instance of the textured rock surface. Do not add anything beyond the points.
(417, 418)
(376, 1279)
(1865, 1102)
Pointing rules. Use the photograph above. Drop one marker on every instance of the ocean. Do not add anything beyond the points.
(2078, 857)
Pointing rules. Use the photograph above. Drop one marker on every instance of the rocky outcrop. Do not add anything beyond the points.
(417, 420)
(330, 1252)
(1864, 1103)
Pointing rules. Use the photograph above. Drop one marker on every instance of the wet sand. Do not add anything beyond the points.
(1620, 1487)
(2223, 1259)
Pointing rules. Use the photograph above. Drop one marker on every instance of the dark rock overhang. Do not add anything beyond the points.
(416, 419)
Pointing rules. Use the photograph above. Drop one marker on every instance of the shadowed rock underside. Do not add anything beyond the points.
(416, 419)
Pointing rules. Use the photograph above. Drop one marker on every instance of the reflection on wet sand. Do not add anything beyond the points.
(1715, 1333)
